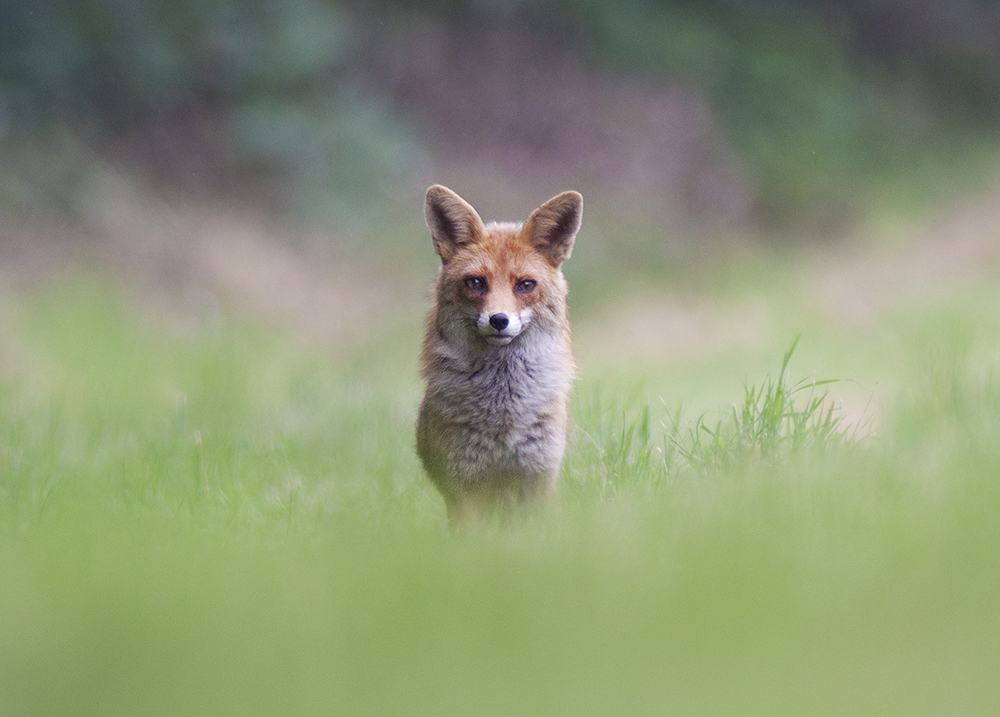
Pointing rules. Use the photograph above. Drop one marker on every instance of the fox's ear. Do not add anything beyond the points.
(553, 226)
(452, 221)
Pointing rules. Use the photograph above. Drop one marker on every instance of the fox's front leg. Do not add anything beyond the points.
(465, 510)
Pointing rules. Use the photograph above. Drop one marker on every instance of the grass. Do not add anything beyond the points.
(232, 522)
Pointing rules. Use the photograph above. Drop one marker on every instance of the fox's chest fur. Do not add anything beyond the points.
(498, 414)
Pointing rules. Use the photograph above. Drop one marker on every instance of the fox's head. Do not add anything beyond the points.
(502, 278)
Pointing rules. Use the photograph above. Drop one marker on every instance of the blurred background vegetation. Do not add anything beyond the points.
(773, 114)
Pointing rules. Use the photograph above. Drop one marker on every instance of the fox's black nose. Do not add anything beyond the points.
(499, 321)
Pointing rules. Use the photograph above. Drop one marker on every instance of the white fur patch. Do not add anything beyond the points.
(516, 323)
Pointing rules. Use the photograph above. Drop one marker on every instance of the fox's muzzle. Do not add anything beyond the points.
(501, 328)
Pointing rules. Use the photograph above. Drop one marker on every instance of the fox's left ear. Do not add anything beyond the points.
(553, 226)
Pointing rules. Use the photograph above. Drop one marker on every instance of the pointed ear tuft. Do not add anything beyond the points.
(452, 221)
(553, 226)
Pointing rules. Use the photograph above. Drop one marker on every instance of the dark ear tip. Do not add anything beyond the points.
(437, 190)
(568, 201)
(572, 204)
(571, 197)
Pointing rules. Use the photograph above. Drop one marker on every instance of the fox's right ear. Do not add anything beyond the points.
(452, 221)
(553, 226)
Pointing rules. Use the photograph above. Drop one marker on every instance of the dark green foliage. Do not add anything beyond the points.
(825, 104)
(122, 64)
(213, 96)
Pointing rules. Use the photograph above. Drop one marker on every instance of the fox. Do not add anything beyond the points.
(497, 357)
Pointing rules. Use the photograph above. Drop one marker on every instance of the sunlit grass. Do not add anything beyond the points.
(230, 522)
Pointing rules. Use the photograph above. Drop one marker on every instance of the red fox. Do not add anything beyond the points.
(491, 431)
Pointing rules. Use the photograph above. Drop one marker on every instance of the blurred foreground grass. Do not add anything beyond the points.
(233, 522)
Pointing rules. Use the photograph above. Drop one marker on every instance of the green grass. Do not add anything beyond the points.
(229, 521)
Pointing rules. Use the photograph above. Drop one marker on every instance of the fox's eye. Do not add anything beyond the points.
(476, 283)
(525, 286)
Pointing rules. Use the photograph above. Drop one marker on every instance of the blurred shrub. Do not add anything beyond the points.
(828, 104)
(824, 102)
(120, 64)
(205, 92)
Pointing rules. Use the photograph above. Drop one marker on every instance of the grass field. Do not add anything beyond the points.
(232, 520)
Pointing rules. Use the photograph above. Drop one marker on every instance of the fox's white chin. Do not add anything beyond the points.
(500, 328)
(497, 340)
